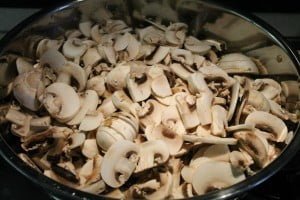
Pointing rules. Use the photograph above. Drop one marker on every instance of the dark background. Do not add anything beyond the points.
(249, 5)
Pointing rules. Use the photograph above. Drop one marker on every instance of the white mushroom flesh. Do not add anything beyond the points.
(120, 103)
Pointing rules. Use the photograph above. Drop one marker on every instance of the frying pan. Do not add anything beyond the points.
(206, 19)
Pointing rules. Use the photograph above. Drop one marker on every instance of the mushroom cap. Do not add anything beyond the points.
(237, 63)
(160, 86)
(138, 91)
(73, 48)
(25, 88)
(152, 153)
(119, 162)
(61, 101)
(91, 122)
(173, 140)
(96, 83)
(262, 120)
(116, 78)
(213, 175)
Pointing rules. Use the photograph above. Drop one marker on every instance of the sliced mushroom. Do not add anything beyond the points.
(46, 44)
(85, 28)
(216, 73)
(74, 48)
(290, 90)
(196, 46)
(170, 118)
(255, 145)
(180, 71)
(175, 33)
(152, 154)
(219, 121)
(268, 87)
(91, 57)
(209, 139)
(90, 148)
(172, 139)
(116, 78)
(272, 124)
(107, 107)
(150, 113)
(257, 100)
(119, 162)
(97, 84)
(160, 86)
(235, 91)
(183, 56)
(215, 175)
(159, 55)
(237, 63)
(239, 160)
(25, 89)
(91, 121)
(24, 65)
(123, 102)
(61, 101)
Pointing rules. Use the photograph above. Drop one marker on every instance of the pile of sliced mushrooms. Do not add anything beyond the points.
(149, 113)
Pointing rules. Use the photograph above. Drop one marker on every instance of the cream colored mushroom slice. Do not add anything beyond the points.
(90, 148)
(204, 100)
(278, 111)
(180, 71)
(172, 139)
(239, 160)
(170, 118)
(95, 188)
(219, 121)
(123, 102)
(138, 85)
(108, 53)
(106, 137)
(23, 65)
(129, 118)
(183, 56)
(187, 110)
(170, 100)
(133, 47)
(160, 86)
(159, 55)
(91, 57)
(25, 89)
(290, 90)
(91, 121)
(165, 187)
(97, 83)
(214, 175)
(74, 48)
(152, 154)
(175, 33)
(184, 191)
(107, 107)
(150, 113)
(196, 46)
(240, 127)
(268, 87)
(209, 139)
(214, 72)
(46, 44)
(237, 63)
(64, 69)
(187, 172)
(76, 140)
(116, 78)
(85, 28)
(122, 42)
(151, 35)
(257, 100)
(89, 104)
(61, 101)
(119, 163)
(255, 145)
(122, 127)
(235, 91)
(272, 124)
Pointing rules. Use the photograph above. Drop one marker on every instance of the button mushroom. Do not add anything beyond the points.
(119, 162)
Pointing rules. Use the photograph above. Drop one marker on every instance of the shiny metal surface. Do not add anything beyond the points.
(242, 33)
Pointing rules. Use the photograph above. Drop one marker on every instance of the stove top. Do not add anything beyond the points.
(284, 185)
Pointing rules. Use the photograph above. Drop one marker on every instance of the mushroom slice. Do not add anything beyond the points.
(161, 87)
(215, 175)
(25, 89)
(108, 53)
(106, 137)
(74, 48)
(239, 161)
(215, 73)
(159, 55)
(170, 118)
(90, 148)
(61, 101)
(184, 191)
(235, 91)
(119, 162)
(197, 83)
(255, 145)
(268, 87)
(122, 102)
(175, 33)
(138, 84)
(76, 140)
(94, 188)
(150, 113)
(290, 90)
(107, 107)
(209, 139)
(272, 124)
(183, 56)
(89, 104)
(180, 71)
(151, 35)
(257, 100)
(187, 110)
(173, 140)
(218, 152)
(277, 110)
(219, 121)
(237, 63)
(91, 57)
(46, 44)
(91, 121)
(133, 47)
(122, 127)
(152, 153)
(164, 191)
(23, 65)
(85, 28)
(204, 107)
(122, 42)
(97, 83)
(116, 78)
(196, 46)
